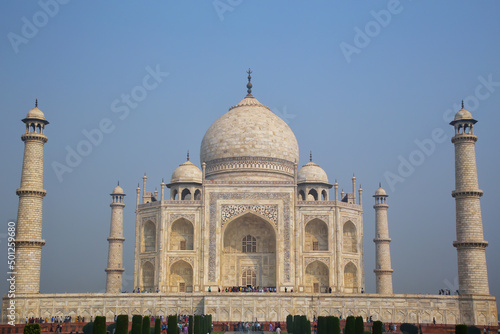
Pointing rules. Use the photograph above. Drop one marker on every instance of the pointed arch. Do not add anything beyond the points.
(181, 277)
(302, 195)
(350, 278)
(186, 195)
(149, 237)
(182, 235)
(312, 195)
(350, 238)
(316, 236)
(324, 195)
(197, 195)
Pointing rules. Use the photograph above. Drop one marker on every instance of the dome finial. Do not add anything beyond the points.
(310, 156)
(249, 84)
(462, 104)
(380, 184)
(118, 182)
(36, 103)
(188, 156)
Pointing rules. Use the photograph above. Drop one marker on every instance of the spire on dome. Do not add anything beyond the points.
(249, 84)
(462, 104)
(36, 103)
(310, 156)
(188, 156)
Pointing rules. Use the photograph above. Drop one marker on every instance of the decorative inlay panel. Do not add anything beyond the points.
(175, 216)
(309, 260)
(308, 218)
(230, 210)
(212, 235)
(354, 261)
(188, 259)
(149, 259)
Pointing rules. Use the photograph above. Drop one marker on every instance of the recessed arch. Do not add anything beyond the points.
(317, 277)
(350, 278)
(316, 236)
(181, 277)
(350, 238)
(148, 276)
(324, 195)
(182, 235)
(256, 234)
(149, 237)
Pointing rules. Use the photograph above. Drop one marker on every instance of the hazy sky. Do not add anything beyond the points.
(369, 87)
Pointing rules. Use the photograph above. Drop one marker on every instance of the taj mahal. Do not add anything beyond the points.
(251, 217)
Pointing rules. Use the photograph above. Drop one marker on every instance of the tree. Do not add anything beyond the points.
(461, 329)
(198, 324)
(121, 324)
(377, 327)
(473, 330)
(359, 327)
(307, 323)
(32, 329)
(334, 325)
(158, 326)
(172, 325)
(190, 325)
(137, 324)
(289, 323)
(322, 327)
(208, 323)
(99, 325)
(410, 328)
(87, 329)
(350, 325)
(146, 325)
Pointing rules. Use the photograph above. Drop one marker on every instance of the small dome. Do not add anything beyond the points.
(187, 173)
(118, 190)
(380, 192)
(463, 114)
(36, 114)
(312, 173)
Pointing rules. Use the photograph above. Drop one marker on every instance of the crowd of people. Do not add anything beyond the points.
(55, 319)
(447, 292)
(245, 289)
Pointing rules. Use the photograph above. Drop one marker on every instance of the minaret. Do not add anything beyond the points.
(115, 269)
(28, 238)
(383, 270)
(470, 244)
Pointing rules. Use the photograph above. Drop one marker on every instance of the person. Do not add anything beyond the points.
(278, 330)
(285, 288)
(209, 289)
(434, 321)
(271, 327)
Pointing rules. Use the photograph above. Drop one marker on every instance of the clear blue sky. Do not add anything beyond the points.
(359, 101)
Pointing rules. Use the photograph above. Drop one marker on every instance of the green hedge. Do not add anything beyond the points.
(32, 329)
(350, 325)
(87, 329)
(190, 325)
(359, 326)
(122, 324)
(197, 324)
(137, 324)
(377, 327)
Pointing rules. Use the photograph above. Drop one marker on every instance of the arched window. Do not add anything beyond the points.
(316, 236)
(182, 235)
(175, 195)
(148, 276)
(350, 278)
(248, 277)
(350, 241)
(302, 195)
(197, 195)
(186, 195)
(324, 195)
(249, 244)
(149, 237)
(313, 195)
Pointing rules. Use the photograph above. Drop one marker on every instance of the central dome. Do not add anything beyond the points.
(249, 129)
